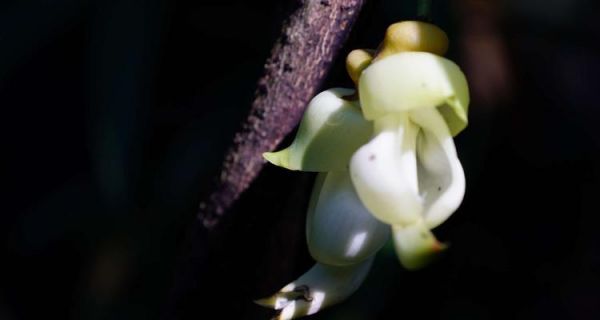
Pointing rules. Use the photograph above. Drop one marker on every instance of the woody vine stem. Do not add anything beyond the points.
(300, 59)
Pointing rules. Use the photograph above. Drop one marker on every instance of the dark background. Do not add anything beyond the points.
(116, 116)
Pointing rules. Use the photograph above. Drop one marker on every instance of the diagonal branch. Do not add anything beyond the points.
(300, 59)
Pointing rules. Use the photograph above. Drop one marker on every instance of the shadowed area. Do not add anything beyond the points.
(116, 115)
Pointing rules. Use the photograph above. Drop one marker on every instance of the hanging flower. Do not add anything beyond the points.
(343, 238)
(409, 175)
(386, 161)
(342, 235)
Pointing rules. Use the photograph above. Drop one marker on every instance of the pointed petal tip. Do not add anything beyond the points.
(416, 246)
(275, 302)
(279, 158)
(440, 246)
(268, 302)
(422, 259)
(272, 157)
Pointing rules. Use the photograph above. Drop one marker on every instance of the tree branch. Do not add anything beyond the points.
(299, 62)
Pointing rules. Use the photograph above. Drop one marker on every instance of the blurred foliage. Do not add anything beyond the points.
(117, 113)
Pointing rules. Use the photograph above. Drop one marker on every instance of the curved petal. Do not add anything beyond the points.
(415, 245)
(340, 230)
(320, 287)
(441, 177)
(384, 171)
(330, 131)
(314, 198)
(413, 80)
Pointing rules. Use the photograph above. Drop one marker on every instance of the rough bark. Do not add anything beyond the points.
(300, 59)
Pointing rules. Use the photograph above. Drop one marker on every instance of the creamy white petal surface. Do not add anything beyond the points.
(409, 176)
(415, 245)
(384, 171)
(319, 287)
(414, 80)
(388, 166)
(340, 230)
(441, 177)
(332, 128)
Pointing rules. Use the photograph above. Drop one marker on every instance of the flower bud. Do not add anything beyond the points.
(413, 36)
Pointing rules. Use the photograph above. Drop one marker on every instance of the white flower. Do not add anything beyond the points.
(409, 175)
(342, 235)
(387, 165)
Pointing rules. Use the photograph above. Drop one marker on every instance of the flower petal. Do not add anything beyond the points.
(413, 80)
(441, 177)
(340, 230)
(320, 287)
(415, 245)
(384, 171)
(331, 130)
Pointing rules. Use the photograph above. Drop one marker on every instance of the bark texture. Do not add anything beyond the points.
(300, 59)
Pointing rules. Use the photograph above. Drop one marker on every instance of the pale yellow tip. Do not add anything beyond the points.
(268, 302)
(356, 61)
(271, 157)
(279, 158)
(416, 246)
